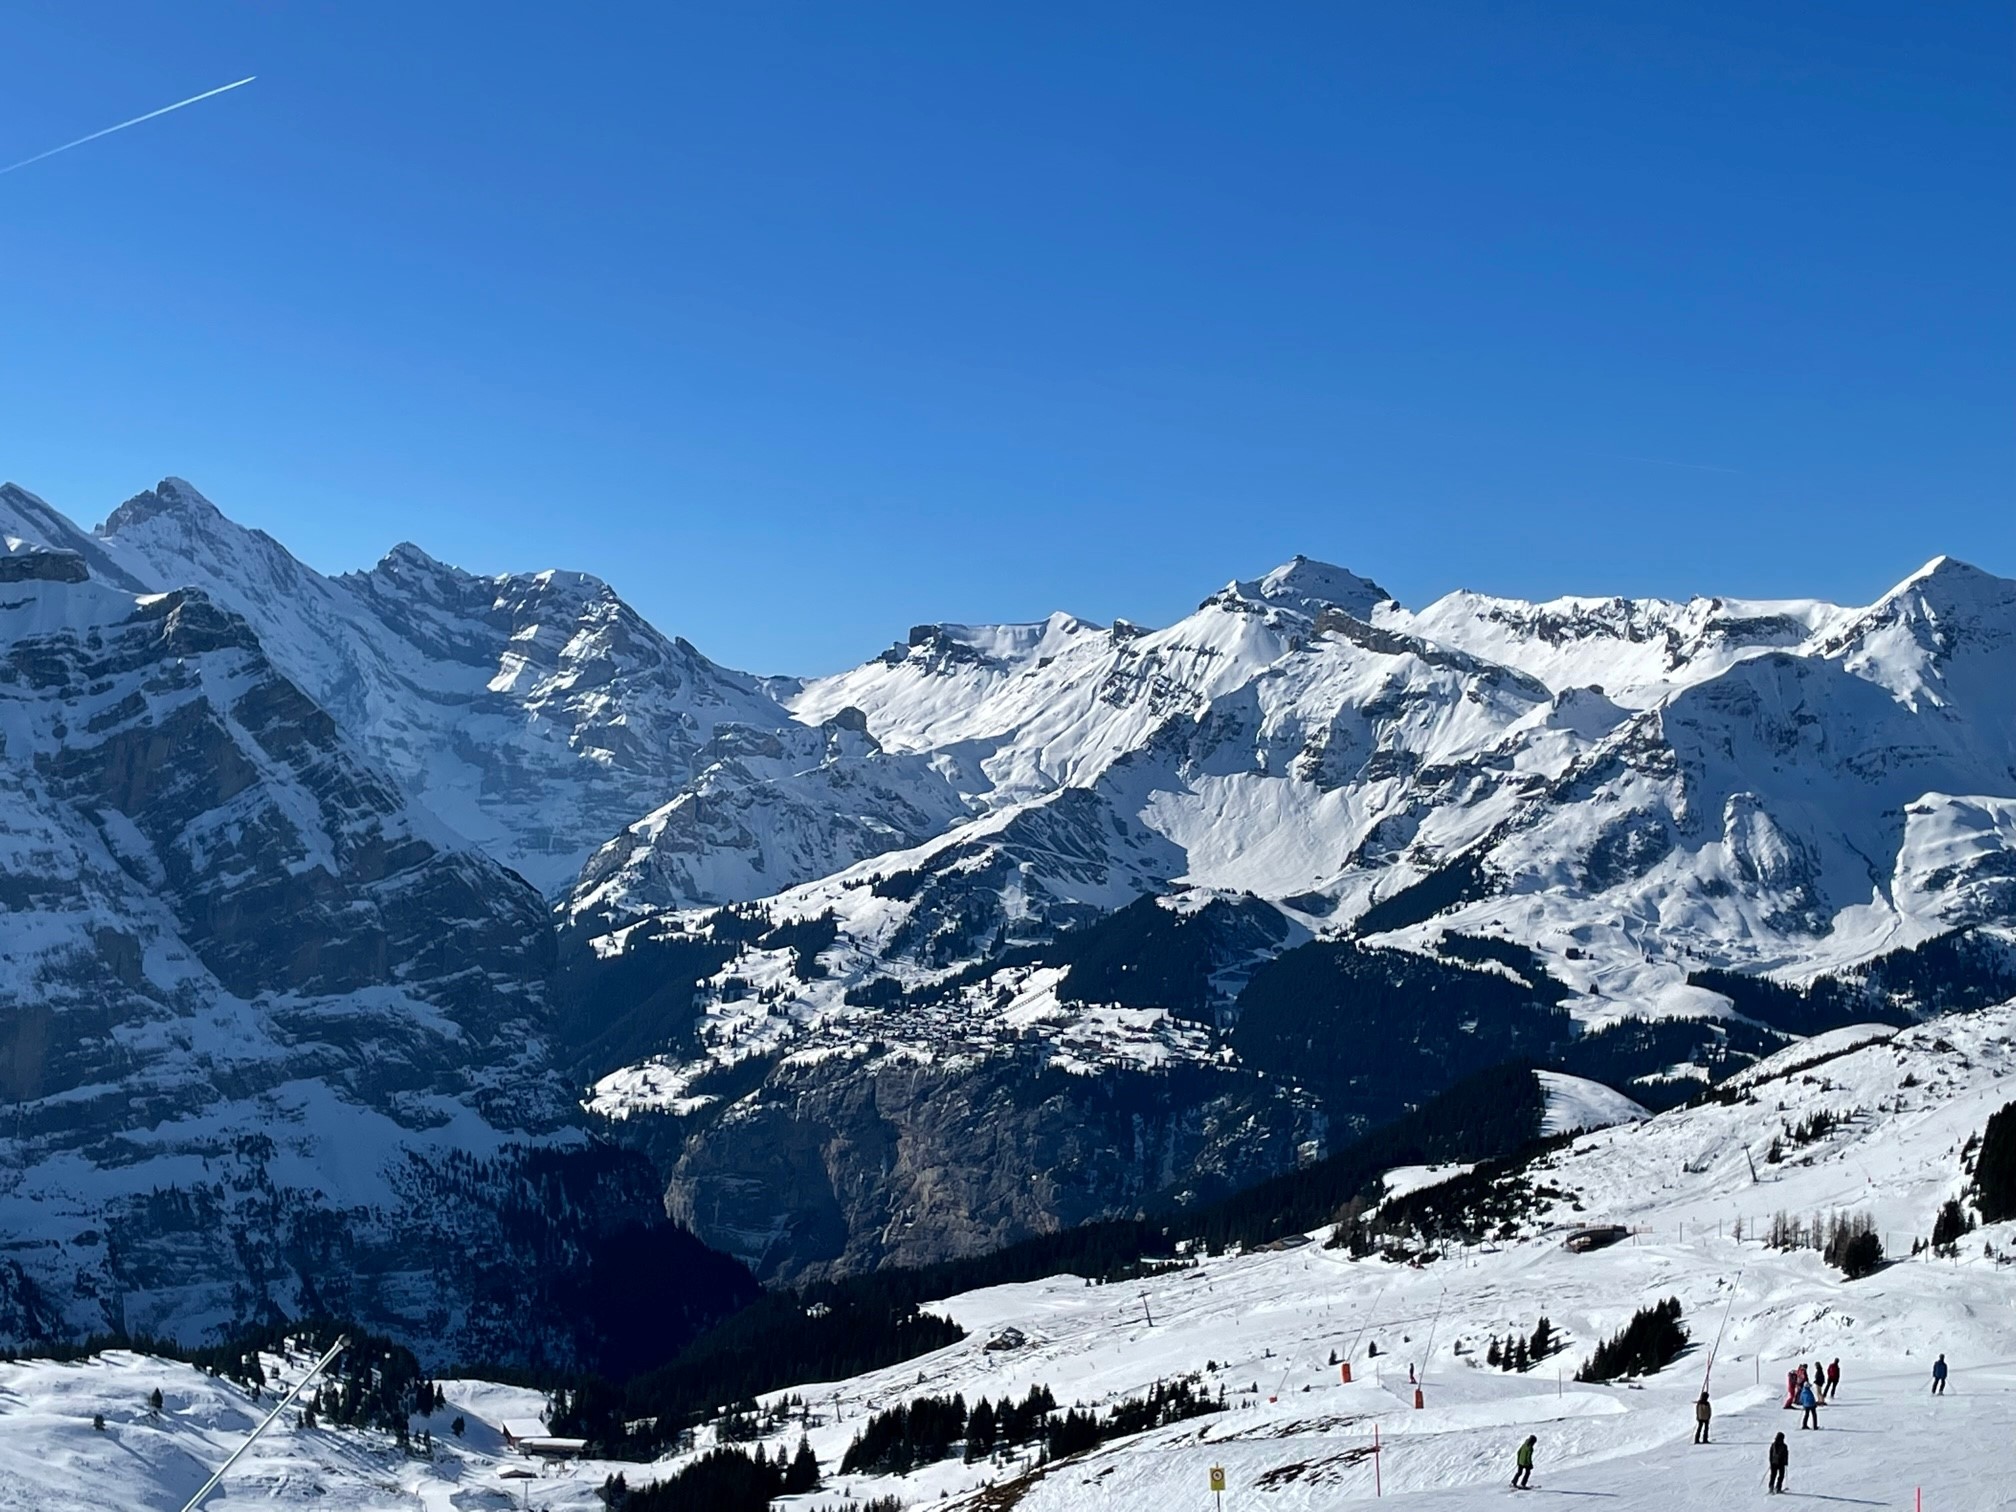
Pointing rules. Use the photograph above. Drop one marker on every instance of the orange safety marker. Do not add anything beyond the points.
(1346, 1369)
(1417, 1398)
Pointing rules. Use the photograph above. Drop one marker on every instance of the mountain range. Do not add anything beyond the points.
(398, 941)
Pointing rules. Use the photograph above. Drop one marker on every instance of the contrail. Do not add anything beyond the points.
(124, 124)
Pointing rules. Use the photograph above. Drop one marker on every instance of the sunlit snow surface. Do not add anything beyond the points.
(1264, 1326)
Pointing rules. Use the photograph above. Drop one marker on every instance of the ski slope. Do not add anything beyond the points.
(1263, 1326)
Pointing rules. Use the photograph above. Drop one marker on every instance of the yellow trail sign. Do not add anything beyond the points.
(1218, 1478)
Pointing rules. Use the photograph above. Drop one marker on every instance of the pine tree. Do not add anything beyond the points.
(1543, 1340)
(1492, 1356)
(803, 1474)
(154, 1400)
(1995, 1167)
(1947, 1228)
(1520, 1359)
(980, 1431)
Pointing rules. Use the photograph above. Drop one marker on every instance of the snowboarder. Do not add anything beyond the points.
(1522, 1476)
(1781, 1456)
(1939, 1376)
(1833, 1378)
(1702, 1412)
(1811, 1405)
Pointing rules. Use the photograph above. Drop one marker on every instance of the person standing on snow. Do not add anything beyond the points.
(1833, 1379)
(1522, 1474)
(1791, 1388)
(1811, 1405)
(1702, 1413)
(1781, 1456)
(1939, 1376)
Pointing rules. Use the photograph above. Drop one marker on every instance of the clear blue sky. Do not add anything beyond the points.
(805, 322)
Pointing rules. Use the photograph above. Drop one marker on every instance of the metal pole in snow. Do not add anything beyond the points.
(1378, 1480)
(342, 1342)
(1727, 1309)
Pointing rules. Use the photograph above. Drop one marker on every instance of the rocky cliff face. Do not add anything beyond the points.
(271, 1037)
(884, 1160)
(533, 715)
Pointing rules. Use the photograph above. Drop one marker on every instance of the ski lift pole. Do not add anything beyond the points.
(1429, 1356)
(1726, 1310)
(1377, 1298)
(342, 1343)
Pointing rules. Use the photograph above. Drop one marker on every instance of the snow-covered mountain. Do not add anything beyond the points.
(247, 985)
(864, 961)
(273, 1035)
(536, 714)
(1624, 794)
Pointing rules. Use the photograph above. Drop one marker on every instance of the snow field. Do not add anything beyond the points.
(1263, 1326)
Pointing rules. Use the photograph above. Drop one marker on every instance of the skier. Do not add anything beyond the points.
(1702, 1412)
(1791, 1388)
(1522, 1476)
(1939, 1376)
(1833, 1378)
(1781, 1456)
(1811, 1404)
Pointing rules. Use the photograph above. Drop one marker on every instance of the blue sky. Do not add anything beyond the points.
(804, 323)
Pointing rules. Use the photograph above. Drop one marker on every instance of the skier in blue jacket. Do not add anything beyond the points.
(1810, 1405)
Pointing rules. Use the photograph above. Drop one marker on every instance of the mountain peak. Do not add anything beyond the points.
(171, 497)
(1948, 580)
(1312, 586)
(410, 558)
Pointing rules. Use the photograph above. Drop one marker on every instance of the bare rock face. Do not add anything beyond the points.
(270, 1039)
(887, 1162)
(42, 567)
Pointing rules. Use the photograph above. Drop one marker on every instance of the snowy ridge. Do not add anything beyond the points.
(536, 714)
(930, 859)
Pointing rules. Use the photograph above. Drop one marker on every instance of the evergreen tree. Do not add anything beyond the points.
(1492, 1356)
(980, 1431)
(1995, 1167)
(1651, 1341)
(1947, 1228)
(154, 1400)
(803, 1472)
(1543, 1341)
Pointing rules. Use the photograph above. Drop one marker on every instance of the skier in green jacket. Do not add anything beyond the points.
(1522, 1477)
